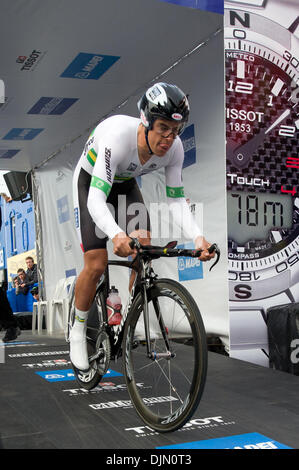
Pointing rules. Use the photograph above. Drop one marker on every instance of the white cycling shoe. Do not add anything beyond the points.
(78, 348)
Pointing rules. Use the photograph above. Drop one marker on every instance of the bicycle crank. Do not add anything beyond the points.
(102, 353)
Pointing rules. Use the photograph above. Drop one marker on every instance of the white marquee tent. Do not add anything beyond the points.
(66, 65)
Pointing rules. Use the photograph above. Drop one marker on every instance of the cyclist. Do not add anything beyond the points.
(118, 150)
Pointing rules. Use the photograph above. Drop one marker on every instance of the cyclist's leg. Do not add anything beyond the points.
(93, 243)
(95, 262)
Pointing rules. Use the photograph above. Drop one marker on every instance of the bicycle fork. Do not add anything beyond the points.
(154, 355)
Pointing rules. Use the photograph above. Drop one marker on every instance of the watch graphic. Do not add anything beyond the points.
(262, 130)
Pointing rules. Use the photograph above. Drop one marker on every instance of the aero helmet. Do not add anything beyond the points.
(163, 101)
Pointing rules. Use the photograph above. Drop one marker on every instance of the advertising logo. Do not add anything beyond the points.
(243, 441)
(193, 424)
(189, 144)
(9, 153)
(57, 375)
(128, 403)
(103, 387)
(36, 354)
(30, 62)
(22, 134)
(52, 106)
(89, 66)
(47, 363)
(64, 375)
(14, 344)
(189, 268)
(63, 209)
(76, 215)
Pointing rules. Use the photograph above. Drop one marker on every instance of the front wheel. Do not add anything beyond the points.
(166, 388)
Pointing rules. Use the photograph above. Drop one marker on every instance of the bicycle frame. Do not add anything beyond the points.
(145, 281)
(147, 277)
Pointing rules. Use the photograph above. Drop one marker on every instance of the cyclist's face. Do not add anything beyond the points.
(162, 135)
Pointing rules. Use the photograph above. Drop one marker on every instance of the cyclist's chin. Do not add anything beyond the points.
(161, 150)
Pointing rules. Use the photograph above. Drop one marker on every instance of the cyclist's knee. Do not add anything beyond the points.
(95, 263)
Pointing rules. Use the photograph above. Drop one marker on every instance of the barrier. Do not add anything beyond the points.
(21, 302)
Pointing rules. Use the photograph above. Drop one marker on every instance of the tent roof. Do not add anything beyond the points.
(66, 64)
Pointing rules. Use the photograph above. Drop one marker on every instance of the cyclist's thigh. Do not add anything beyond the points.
(137, 217)
(90, 236)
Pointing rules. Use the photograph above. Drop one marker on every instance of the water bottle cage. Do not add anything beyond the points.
(114, 310)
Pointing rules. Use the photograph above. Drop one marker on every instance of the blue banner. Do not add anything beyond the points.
(252, 440)
(22, 134)
(89, 66)
(216, 6)
(8, 153)
(64, 375)
(50, 106)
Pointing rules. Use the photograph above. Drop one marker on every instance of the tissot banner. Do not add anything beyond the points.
(262, 76)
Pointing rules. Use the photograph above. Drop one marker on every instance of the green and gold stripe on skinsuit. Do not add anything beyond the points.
(92, 156)
(122, 178)
(175, 192)
(100, 184)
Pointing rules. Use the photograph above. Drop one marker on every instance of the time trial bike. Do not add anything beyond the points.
(161, 338)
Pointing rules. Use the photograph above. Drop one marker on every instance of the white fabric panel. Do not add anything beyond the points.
(61, 251)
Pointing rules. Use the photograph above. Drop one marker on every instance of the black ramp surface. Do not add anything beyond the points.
(43, 407)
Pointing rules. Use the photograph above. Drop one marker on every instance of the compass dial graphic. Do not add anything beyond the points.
(262, 150)
(262, 131)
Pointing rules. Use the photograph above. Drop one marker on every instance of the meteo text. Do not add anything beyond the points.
(240, 55)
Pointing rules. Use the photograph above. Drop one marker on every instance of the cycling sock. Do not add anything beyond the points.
(78, 345)
(80, 318)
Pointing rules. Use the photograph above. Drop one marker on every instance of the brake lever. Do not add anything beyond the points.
(215, 248)
(134, 243)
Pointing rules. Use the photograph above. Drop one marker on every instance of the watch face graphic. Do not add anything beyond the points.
(262, 131)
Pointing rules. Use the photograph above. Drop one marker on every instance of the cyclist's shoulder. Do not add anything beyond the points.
(116, 125)
(176, 153)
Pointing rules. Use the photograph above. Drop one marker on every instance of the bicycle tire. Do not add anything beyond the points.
(166, 407)
(97, 339)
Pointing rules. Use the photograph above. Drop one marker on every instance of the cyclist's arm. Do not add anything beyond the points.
(176, 198)
(100, 187)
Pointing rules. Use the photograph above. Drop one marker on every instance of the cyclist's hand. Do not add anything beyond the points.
(202, 244)
(121, 245)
